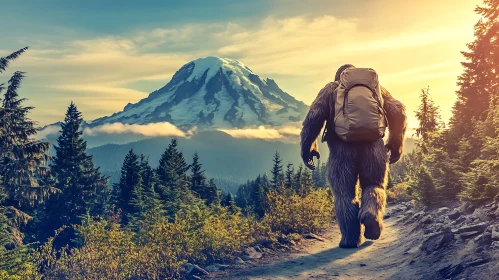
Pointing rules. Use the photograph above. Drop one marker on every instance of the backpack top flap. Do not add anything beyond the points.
(360, 76)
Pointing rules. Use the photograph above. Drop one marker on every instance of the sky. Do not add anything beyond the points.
(105, 54)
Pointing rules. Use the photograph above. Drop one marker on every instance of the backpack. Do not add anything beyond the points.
(358, 106)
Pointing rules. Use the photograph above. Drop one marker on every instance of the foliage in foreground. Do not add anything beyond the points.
(199, 235)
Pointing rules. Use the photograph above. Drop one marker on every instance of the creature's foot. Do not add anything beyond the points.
(351, 242)
(373, 226)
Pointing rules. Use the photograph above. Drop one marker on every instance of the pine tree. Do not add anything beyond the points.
(173, 184)
(323, 176)
(83, 189)
(213, 193)
(22, 157)
(230, 202)
(11, 256)
(290, 170)
(243, 196)
(206, 191)
(258, 196)
(307, 183)
(298, 179)
(277, 174)
(11, 259)
(149, 182)
(424, 187)
(428, 115)
(480, 74)
(128, 192)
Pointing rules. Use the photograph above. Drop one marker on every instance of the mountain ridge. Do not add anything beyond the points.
(213, 93)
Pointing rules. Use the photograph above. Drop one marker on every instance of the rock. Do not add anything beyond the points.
(221, 266)
(362, 264)
(428, 231)
(211, 268)
(467, 208)
(313, 236)
(258, 249)
(484, 239)
(469, 228)
(469, 234)
(250, 253)
(459, 221)
(427, 220)
(451, 270)
(195, 277)
(442, 210)
(478, 262)
(495, 233)
(495, 245)
(387, 216)
(238, 260)
(193, 269)
(483, 215)
(436, 241)
(454, 214)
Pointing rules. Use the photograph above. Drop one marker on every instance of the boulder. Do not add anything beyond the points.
(313, 236)
(484, 215)
(221, 266)
(451, 270)
(478, 262)
(238, 260)
(467, 208)
(470, 228)
(484, 239)
(436, 241)
(454, 214)
(495, 233)
(469, 234)
(442, 210)
(250, 253)
(193, 269)
(211, 268)
(427, 220)
(495, 245)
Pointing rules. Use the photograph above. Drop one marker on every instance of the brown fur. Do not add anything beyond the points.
(366, 162)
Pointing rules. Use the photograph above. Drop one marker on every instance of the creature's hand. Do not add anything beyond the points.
(308, 159)
(395, 153)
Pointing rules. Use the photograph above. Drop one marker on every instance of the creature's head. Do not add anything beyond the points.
(341, 69)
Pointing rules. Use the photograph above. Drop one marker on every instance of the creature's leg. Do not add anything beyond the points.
(343, 174)
(372, 175)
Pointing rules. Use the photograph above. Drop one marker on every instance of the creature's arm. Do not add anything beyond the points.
(397, 125)
(313, 123)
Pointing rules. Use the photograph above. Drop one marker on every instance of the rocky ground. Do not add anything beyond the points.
(454, 242)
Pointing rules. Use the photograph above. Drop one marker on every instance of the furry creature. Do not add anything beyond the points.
(352, 162)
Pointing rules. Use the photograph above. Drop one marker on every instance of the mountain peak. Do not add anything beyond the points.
(213, 92)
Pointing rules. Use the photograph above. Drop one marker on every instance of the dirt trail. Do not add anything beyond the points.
(387, 258)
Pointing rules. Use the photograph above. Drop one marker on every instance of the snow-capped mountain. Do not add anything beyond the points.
(213, 92)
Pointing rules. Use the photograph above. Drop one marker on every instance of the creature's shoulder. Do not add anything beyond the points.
(330, 87)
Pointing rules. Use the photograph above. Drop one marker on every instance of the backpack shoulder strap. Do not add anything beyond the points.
(331, 111)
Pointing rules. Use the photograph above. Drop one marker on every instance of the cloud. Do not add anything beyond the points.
(48, 130)
(163, 129)
(265, 133)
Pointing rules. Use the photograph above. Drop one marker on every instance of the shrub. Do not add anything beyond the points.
(299, 214)
(399, 192)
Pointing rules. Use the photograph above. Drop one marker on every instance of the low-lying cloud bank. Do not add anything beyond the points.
(287, 133)
(266, 133)
(162, 129)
